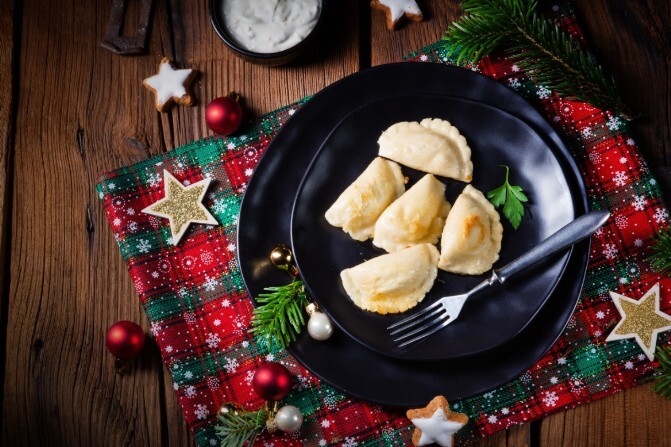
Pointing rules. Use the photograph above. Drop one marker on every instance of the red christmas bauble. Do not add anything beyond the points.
(125, 339)
(224, 115)
(272, 381)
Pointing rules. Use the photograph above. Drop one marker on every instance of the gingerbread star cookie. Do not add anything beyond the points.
(435, 423)
(171, 85)
(396, 10)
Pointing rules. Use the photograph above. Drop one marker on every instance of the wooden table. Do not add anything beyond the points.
(70, 110)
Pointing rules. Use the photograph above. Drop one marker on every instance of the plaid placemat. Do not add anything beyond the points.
(195, 299)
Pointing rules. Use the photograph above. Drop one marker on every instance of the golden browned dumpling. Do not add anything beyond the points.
(434, 146)
(394, 282)
(359, 206)
(417, 217)
(471, 239)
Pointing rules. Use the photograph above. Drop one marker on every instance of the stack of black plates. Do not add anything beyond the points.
(328, 143)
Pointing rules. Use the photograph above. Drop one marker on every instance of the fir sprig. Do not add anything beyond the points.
(662, 375)
(280, 316)
(537, 46)
(661, 248)
(239, 426)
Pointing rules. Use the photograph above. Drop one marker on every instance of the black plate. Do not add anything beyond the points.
(265, 218)
(496, 138)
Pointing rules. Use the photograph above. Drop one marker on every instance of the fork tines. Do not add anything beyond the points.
(420, 325)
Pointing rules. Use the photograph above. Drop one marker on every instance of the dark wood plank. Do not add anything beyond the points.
(78, 116)
(83, 111)
(630, 39)
(516, 436)
(7, 83)
(590, 425)
(634, 417)
(640, 63)
(7, 115)
(519, 436)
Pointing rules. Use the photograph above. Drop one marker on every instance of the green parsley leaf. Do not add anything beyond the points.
(512, 198)
(498, 196)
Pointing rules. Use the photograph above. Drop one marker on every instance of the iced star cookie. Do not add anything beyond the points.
(435, 423)
(171, 86)
(396, 10)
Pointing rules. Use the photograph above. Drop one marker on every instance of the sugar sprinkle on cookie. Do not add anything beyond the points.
(435, 423)
(171, 85)
(396, 10)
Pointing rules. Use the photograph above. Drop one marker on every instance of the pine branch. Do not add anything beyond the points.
(239, 426)
(280, 316)
(538, 46)
(661, 248)
(663, 372)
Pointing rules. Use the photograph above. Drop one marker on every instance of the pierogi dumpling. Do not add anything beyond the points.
(433, 146)
(417, 217)
(357, 209)
(471, 239)
(394, 282)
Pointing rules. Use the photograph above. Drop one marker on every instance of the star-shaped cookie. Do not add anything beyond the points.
(170, 85)
(435, 423)
(641, 320)
(182, 205)
(396, 10)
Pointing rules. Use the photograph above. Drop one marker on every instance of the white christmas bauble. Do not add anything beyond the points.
(289, 419)
(319, 326)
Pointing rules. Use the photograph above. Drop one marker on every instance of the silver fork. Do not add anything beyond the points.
(446, 310)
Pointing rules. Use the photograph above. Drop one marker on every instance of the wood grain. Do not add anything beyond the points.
(68, 285)
(7, 113)
(633, 417)
(80, 111)
(632, 41)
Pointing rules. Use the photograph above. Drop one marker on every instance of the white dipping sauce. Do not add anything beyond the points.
(269, 26)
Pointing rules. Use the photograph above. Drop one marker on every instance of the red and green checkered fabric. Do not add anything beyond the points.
(199, 310)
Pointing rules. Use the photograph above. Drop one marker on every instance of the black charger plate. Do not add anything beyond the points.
(265, 221)
(496, 138)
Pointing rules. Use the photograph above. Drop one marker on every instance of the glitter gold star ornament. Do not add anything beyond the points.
(435, 423)
(641, 320)
(171, 85)
(182, 205)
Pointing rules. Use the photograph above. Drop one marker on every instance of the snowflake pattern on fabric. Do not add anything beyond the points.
(610, 251)
(639, 203)
(550, 399)
(661, 215)
(620, 178)
(201, 411)
(212, 341)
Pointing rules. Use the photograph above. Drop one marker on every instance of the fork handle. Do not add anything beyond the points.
(581, 228)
